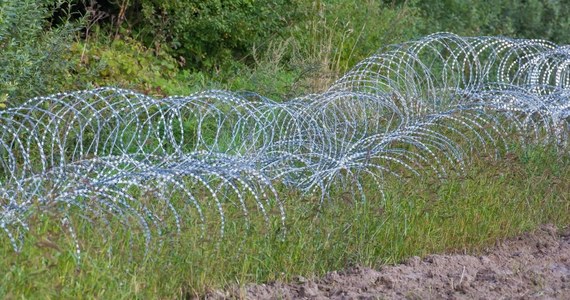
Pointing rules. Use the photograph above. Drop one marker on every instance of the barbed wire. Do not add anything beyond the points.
(431, 104)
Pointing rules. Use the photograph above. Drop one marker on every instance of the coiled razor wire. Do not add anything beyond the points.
(430, 104)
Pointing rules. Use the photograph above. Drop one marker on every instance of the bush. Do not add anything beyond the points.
(542, 19)
(124, 63)
(206, 33)
(32, 61)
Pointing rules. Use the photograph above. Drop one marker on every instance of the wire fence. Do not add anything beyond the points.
(113, 156)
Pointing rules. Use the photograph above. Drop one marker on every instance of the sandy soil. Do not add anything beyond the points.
(532, 266)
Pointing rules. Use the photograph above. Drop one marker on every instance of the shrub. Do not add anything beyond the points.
(206, 33)
(543, 19)
(124, 63)
(32, 60)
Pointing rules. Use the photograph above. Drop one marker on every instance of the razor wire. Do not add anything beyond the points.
(115, 156)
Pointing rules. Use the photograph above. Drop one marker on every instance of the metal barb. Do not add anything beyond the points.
(120, 157)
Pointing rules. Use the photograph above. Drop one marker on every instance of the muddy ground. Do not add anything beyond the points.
(533, 266)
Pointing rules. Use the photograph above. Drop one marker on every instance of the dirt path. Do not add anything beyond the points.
(532, 266)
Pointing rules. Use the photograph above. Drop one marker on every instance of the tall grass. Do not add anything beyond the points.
(493, 200)
(322, 45)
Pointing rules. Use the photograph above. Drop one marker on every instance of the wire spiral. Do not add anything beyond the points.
(119, 156)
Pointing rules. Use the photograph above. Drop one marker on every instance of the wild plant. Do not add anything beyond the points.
(113, 156)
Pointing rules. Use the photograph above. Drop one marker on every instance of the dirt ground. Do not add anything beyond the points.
(533, 266)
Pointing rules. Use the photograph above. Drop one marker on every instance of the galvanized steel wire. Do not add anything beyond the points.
(430, 104)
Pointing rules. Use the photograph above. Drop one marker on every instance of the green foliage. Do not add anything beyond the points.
(285, 48)
(32, 61)
(544, 19)
(125, 63)
(279, 48)
(328, 40)
(355, 38)
(207, 33)
(462, 17)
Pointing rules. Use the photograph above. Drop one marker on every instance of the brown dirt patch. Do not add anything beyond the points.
(533, 266)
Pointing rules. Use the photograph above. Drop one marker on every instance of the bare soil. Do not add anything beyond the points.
(533, 266)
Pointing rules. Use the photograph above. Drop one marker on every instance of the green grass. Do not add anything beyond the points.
(493, 200)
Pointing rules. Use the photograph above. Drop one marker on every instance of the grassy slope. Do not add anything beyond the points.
(493, 200)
